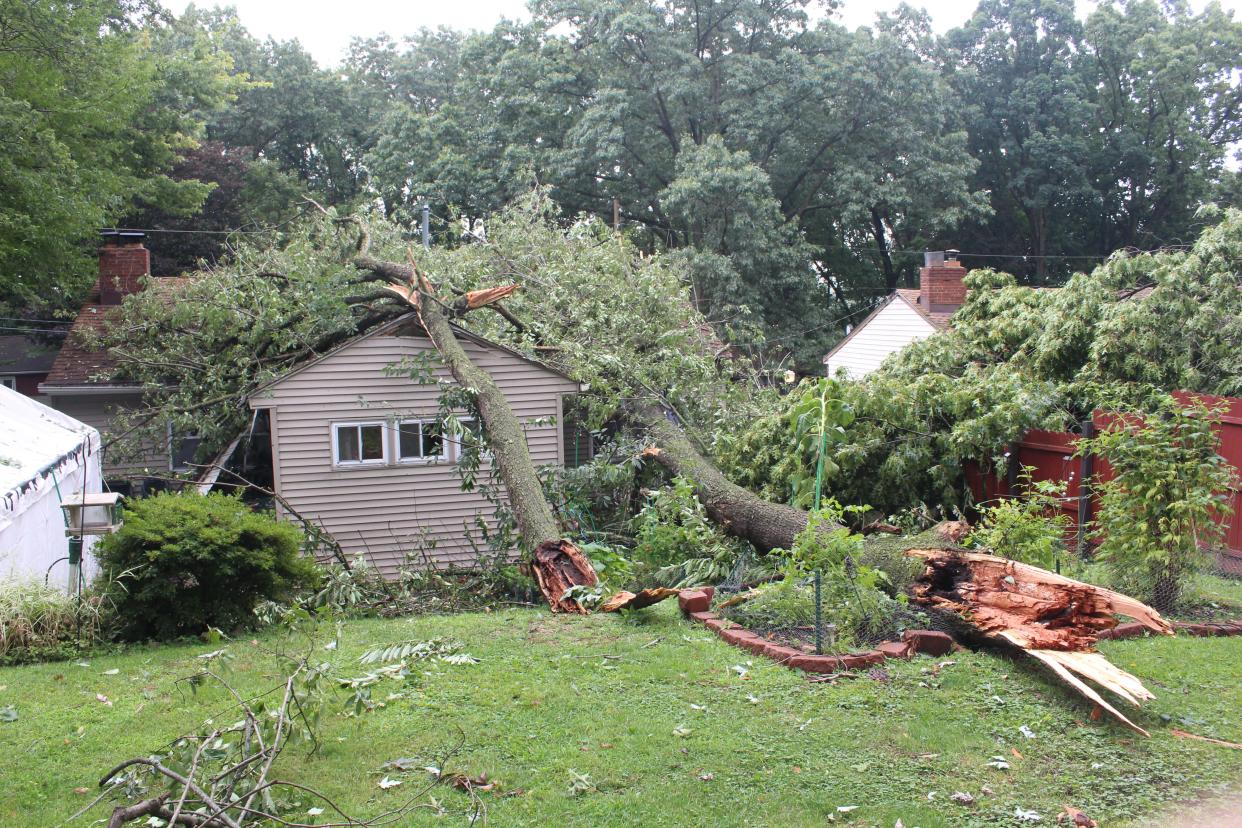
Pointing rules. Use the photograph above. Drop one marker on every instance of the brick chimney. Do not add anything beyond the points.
(940, 282)
(123, 263)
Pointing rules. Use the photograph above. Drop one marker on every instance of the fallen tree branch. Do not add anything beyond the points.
(557, 562)
(1055, 619)
(737, 510)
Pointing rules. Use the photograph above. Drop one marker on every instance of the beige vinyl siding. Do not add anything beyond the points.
(894, 327)
(385, 512)
(100, 411)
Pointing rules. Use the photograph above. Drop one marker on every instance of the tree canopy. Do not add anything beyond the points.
(795, 168)
(97, 101)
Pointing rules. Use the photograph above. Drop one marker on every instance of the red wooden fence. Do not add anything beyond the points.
(1050, 454)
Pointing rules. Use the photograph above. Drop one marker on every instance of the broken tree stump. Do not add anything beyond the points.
(1057, 620)
(558, 565)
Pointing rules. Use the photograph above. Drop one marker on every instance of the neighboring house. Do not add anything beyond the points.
(905, 316)
(80, 383)
(44, 456)
(354, 448)
(24, 363)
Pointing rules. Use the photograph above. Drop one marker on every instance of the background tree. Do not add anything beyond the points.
(735, 131)
(1097, 136)
(96, 101)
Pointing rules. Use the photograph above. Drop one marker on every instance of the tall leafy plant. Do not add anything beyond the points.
(1156, 513)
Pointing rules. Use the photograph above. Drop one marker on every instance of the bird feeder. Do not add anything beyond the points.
(88, 514)
(92, 514)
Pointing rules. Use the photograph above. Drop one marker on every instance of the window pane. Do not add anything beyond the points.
(372, 442)
(409, 440)
(183, 451)
(347, 444)
(433, 443)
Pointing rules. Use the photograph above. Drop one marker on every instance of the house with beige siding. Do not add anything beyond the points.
(357, 450)
(906, 315)
(81, 381)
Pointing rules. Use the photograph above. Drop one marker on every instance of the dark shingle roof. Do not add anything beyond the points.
(939, 319)
(80, 364)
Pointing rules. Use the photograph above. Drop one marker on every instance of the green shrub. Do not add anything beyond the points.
(1029, 528)
(611, 567)
(201, 561)
(861, 615)
(673, 527)
(1155, 514)
(852, 594)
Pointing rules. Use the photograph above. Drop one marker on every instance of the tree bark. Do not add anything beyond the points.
(557, 562)
(1052, 618)
(739, 511)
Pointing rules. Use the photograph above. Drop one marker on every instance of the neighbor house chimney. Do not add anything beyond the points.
(940, 281)
(123, 263)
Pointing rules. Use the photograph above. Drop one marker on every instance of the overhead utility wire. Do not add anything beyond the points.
(32, 330)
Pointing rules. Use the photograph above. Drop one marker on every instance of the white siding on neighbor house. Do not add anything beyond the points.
(385, 512)
(894, 327)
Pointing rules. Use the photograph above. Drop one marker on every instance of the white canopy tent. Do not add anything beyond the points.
(45, 456)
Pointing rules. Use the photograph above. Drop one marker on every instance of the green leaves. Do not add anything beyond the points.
(1156, 512)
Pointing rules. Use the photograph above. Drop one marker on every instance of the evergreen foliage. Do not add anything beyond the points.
(200, 561)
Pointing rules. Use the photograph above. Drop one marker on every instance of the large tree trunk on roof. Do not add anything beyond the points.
(557, 563)
(739, 511)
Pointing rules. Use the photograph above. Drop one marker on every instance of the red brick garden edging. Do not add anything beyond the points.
(1134, 630)
(696, 605)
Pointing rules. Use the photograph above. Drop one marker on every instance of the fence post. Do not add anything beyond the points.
(1086, 471)
(1013, 468)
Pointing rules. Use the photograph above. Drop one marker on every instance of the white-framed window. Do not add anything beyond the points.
(420, 440)
(359, 444)
(8, 381)
(470, 435)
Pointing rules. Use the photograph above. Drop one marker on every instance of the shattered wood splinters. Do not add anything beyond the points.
(1055, 619)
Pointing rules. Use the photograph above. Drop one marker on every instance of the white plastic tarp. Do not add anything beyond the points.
(44, 455)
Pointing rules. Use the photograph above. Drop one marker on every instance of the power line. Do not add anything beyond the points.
(827, 324)
(41, 321)
(31, 330)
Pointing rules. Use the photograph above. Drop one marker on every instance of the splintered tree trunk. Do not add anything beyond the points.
(737, 510)
(557, 562)
(1055, 619)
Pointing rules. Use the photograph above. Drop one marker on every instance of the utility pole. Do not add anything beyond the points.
(426, 224)
(616, 213)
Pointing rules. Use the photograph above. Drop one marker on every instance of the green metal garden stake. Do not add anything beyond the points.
(819, 616)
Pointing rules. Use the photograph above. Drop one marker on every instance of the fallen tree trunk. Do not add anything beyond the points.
(557, 563)
(1055, 619)
(738, 511)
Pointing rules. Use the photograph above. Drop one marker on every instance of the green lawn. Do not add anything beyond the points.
(544, 702)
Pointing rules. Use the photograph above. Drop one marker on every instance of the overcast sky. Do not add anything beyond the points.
(325, 27)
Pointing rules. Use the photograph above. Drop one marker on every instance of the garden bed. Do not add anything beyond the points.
(794, 647)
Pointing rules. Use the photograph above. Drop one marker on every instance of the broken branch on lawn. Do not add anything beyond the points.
(1055, 619)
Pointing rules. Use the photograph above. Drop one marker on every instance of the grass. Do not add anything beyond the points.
(602, 696)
